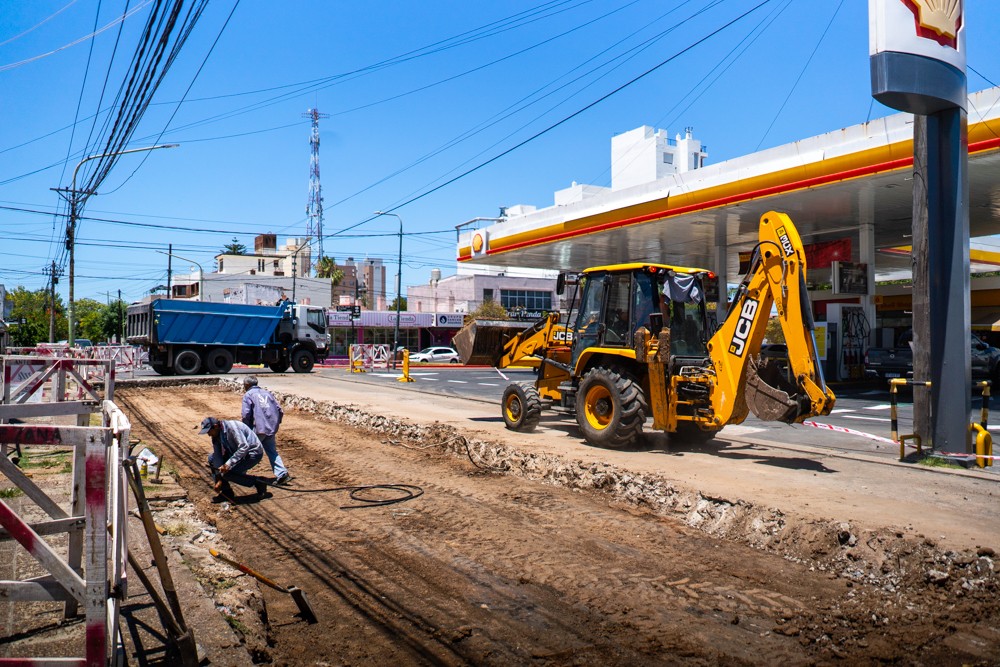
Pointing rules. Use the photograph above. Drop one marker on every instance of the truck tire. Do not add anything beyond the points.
(279, 366)
(187, 362)
(522, 407)
(218, 360)
(303, 361)
(610, 408)
(160, 369)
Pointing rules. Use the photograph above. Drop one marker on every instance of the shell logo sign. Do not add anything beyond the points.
(480, 243)
(939, 20)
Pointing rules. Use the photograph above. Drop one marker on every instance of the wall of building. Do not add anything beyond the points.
(465, 293)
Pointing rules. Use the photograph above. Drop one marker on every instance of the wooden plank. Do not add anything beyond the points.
(96, 547)
(26, 410)
(77, 508)
(53, 527)
(42, 552)
(33, 591)
(29, 488)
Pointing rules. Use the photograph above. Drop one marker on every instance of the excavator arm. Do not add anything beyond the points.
(776, 278)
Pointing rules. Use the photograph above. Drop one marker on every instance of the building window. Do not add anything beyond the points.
(487, 295)
(528, 299)
(275, 265)
(695, 160)
(668, 158)
(220, 265)
(260, 265)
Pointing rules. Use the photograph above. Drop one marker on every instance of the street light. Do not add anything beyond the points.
(201, 273)
(74, 205)
(399, 289)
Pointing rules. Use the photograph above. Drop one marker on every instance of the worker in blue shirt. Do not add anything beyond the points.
(235, 450)
(263, 414)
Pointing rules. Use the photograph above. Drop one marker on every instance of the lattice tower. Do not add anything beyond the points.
(314, 206)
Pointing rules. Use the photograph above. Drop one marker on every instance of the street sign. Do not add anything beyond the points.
(356, 312)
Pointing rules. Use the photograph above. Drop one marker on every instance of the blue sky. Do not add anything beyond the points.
(417, 93)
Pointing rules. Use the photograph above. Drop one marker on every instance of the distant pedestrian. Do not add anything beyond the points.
(263, 414)
(235, 450)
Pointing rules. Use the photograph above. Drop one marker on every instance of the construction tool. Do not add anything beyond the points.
(298, 595)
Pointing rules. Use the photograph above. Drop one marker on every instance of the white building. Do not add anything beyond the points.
(258, 277)
(521, 296)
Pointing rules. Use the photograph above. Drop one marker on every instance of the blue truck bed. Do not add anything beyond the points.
(208, 323)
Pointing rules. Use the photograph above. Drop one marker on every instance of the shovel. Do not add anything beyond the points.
(298, 595)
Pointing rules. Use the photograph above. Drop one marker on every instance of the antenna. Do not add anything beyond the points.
(314, 207)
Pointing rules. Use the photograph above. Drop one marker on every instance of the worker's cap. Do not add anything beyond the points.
(249, 381)
(207, 424)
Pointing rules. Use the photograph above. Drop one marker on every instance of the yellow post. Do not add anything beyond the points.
(984, 446)
(406, 368)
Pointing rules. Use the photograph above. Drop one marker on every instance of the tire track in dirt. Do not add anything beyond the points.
(481, 566)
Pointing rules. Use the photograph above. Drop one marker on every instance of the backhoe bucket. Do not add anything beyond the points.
(769, 394)
(480, 342)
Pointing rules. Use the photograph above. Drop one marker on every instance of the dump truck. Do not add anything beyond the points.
(187, 337)
(638, 342)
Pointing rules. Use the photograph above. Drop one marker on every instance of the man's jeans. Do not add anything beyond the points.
(271, 449)
(237, 474)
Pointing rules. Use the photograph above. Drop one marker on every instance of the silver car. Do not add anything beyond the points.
(436, 355)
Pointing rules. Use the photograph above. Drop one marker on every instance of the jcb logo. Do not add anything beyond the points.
(743, 327)
(786, 243)
(563, 336)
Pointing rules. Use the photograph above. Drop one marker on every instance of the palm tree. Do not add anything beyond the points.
(326, 267)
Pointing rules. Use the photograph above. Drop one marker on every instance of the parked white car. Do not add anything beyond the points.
(439, 355)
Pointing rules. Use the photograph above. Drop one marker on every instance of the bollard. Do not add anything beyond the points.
(406, 368)
(894, 420)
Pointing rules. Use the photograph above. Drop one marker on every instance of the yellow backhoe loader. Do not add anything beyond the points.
(638, 344)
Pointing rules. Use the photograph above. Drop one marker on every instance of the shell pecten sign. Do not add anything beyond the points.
(940, 20)
(480, 243)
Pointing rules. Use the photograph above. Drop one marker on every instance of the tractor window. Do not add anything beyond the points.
(588, 320)
(617, 331)
(685, 316)
(644, 300)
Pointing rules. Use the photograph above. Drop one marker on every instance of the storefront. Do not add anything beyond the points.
(416, 330)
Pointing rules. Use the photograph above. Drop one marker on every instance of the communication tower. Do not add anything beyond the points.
(314, 207)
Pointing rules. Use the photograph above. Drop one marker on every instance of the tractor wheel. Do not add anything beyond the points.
(219, 360)
(303, 361)
(187, 362)
(690, 433)
(610, 408)
(522, 407)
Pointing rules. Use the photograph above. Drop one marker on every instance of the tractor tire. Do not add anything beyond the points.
(279, 366)
(610, 408)
(187, 362)
(522, 407)
(690, 433)
(303, 361)
(218, 360)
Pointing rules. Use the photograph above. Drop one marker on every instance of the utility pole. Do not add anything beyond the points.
(121, 319)
(170, 269)
(53, 274)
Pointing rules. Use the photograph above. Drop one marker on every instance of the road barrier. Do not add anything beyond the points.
(366, 357)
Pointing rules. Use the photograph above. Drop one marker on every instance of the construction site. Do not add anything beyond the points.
(420, 530)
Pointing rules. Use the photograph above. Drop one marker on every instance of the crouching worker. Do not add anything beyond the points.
(235, 450)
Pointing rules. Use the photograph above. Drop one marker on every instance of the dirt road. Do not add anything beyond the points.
(491, 566)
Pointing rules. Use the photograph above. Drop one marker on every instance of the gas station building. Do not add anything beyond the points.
(849, 193)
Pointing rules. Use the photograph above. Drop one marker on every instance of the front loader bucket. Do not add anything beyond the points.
(769, 394)
(481, 342)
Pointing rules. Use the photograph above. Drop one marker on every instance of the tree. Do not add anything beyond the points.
(112, 321)
(326, 267)
(402, 303)
(489, 310)
(234, 247)
(33, 308)
(89, 314)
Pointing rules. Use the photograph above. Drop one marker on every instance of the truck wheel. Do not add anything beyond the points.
(219, 360)
(610, 408)
(303, 361)
(279, 366)
(187, 362)
(160, 369)
(522, 407)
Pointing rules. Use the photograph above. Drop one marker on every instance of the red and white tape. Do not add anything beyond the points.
(849, 431)
(878, 438)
